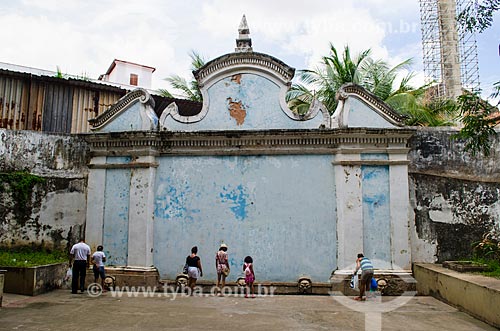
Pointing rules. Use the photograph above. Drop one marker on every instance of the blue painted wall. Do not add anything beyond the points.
(244, 102)
(128, 120)
(376, 211)
(278, 209)
(362, 116)
(116, 207)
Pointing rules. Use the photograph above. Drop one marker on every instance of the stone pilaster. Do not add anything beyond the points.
(349, 209)
(141, 213)
(95, 202)
(400, 214)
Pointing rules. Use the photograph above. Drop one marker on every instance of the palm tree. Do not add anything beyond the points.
(327, 79)
(422, 110)
(334, 71)
(189, 90)
(377, 77)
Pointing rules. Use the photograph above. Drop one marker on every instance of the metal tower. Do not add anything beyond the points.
(449, 51)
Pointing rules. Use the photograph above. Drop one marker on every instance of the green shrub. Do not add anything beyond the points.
(488, 248)
(493, 267)
(487, 251)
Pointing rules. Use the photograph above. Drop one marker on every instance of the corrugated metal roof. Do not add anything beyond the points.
(52, 74)
(186, 107)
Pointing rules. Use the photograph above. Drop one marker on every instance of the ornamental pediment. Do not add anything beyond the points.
(246, 91)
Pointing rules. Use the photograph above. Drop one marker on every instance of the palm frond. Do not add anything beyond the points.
(197, 60)
(180, 83)
(165, 93)
(189, 90)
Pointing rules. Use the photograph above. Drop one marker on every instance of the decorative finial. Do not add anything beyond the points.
(243, 43)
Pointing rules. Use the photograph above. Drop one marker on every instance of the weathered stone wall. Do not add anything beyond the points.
(455, 196)
(53, 213)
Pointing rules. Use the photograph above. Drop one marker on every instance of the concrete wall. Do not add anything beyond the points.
(55, 212)
(34, 280)
(274, 198)
(273, 208)
(454, 196)
(478, 295)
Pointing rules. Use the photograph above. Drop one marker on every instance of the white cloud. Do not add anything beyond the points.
(87, 44)
(300, 28)
(84, 37)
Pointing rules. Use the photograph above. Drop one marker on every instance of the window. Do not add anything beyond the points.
(134, 79)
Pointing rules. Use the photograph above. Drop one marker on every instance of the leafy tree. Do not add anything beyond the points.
(478, 116)
(478, 123)
(480, 16)
(189, 90)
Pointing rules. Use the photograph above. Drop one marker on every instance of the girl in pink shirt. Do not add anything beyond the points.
(249, 276)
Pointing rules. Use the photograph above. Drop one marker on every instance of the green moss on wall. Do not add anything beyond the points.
(20, 186)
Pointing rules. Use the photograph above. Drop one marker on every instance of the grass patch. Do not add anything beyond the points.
(493, 267)
(28, 257)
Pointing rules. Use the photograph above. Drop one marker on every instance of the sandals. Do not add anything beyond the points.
(359, 299)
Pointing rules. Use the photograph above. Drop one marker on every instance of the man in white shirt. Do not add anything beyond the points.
(80, 259)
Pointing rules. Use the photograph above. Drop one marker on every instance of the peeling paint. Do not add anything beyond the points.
(172, 202)
(237, 111)
(54, 213)
(116, 215)
(258, 205)
(236, 79)
(452, 213)
(238, 198)
(376, 213)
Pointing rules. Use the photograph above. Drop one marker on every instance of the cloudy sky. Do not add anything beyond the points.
(83, 37)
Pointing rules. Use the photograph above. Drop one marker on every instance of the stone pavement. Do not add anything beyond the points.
(60, 310)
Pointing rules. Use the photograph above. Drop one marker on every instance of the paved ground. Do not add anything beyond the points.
(60, 310)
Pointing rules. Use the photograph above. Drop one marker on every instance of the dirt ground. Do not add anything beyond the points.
(60, 310)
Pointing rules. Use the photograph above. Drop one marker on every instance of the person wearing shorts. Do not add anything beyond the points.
(366, 267)
(98, 259)
(222, 267)
(194, 268)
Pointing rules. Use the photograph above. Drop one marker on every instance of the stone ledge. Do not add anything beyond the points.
(475, 294)
(129, 276)
(278, 288)
(34, 280)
